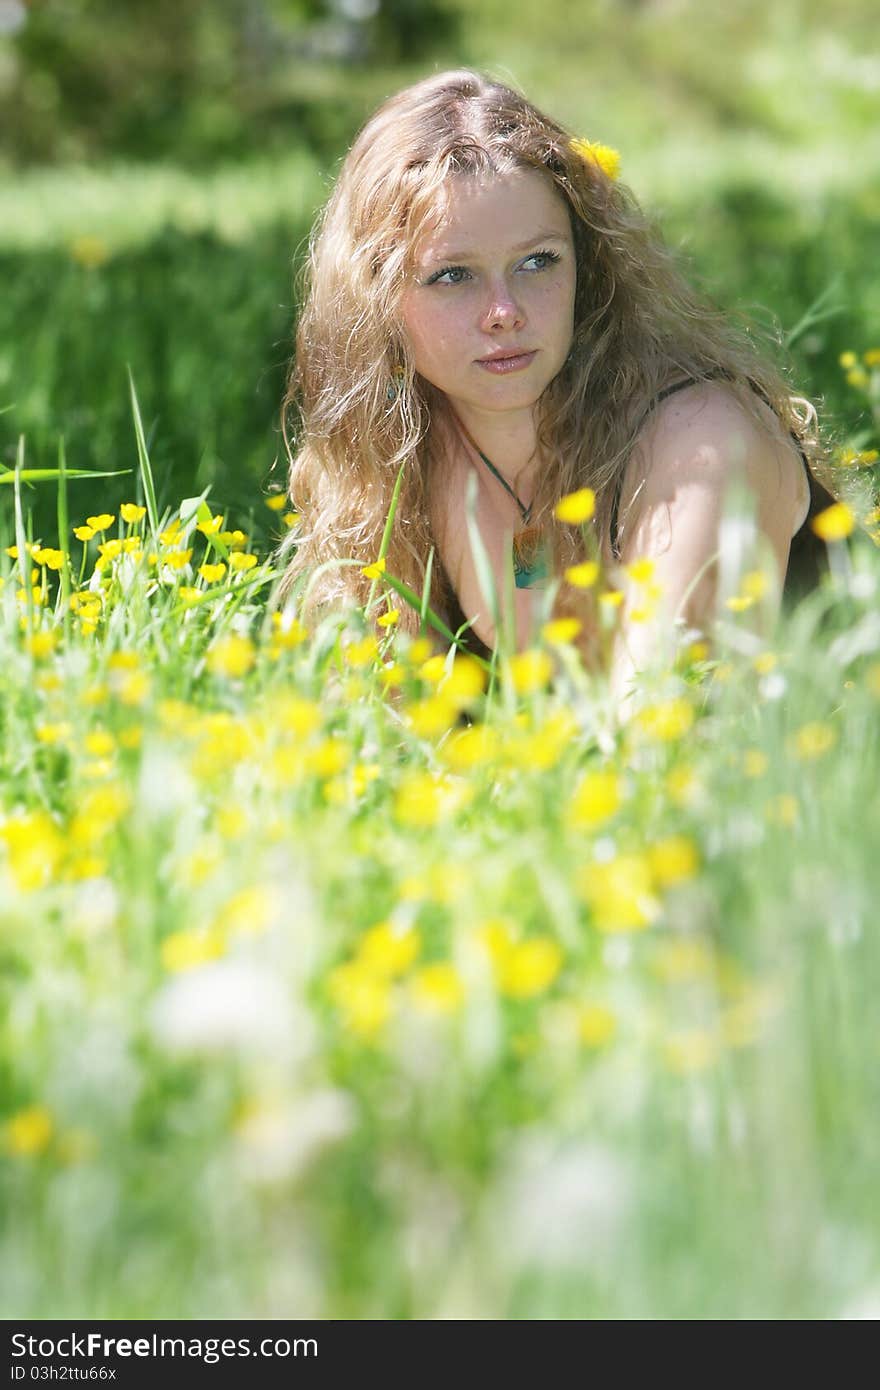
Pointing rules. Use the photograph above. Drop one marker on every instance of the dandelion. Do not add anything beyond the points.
(602, 156)
(576, 507)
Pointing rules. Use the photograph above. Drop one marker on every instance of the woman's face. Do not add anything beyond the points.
(489, 311)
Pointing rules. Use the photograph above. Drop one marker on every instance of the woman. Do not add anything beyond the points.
(484, 301)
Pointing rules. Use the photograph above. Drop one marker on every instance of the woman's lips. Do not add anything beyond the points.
(500, 365)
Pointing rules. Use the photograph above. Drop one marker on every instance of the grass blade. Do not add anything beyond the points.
(144, 461)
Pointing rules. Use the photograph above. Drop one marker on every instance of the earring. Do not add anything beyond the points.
(395, 385)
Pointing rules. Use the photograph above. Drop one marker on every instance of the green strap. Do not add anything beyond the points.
(526, 511)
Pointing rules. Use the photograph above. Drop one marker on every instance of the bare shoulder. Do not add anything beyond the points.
(699, 437)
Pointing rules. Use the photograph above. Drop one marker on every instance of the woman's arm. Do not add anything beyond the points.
(699, 444)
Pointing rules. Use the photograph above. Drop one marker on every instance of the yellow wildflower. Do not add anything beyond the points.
(387, 952)
(210, 528)
(872, 357)
(42, 644)
(847, 360)
(561, 631)
(673, 859)
(232, 656)
(835, 523)
(529, 967)
(83, 533)
(602, 156)
(596, 1024)
(469, 748)
(619, 892)
(212, 574)
(812, 740)
(595, 799)
(375, 570)
(28, 1132)
(186, 950)
(240, 561)
(432, 716)
(276, 502)
(576, 507)
(389, 619)
(668, 720)
(437, 989)
(530, 671)
(363, 999)
(582, 576)
(101, 522)
(132, 513)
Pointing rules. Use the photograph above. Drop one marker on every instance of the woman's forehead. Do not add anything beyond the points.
(468, 207)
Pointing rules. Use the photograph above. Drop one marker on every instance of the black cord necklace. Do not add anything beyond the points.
(529, 559)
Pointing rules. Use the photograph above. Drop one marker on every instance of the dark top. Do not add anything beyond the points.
(807, 560)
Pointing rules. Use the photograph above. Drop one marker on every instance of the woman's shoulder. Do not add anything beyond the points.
(700, 432)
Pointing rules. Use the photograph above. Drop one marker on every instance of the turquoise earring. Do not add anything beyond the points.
(395, 385)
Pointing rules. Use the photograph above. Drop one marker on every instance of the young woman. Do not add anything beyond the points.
(484, 300)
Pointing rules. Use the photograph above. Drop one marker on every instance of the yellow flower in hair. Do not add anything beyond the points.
(603, 156)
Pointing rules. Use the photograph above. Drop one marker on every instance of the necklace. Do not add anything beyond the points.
(529, 558)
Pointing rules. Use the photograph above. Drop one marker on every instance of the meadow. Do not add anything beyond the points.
(341, 978)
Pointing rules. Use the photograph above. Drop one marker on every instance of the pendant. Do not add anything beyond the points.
(529, 558)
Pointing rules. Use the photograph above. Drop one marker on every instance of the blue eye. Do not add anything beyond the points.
(455, 274)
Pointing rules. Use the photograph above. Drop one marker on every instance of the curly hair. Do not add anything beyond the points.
(638, 325)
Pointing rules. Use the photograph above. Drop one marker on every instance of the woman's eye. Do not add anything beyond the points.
(454, 272)
(548, 257)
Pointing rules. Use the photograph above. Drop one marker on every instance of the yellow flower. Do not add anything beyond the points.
(641, 571)
(432, 716)
(691, 1050)
(605, 158)
(596, 798)
(89, 251)
(437, 989)
(619, 892)
(754, 762)
(812, 740)
(738, 603)
(576, 507)
(528, 967)
(422, 800)
(858, 377)
(673, 859)
(596, 1024)
(186, 950)
(561, 630)
(131, 513)
(389, 619)
(231, 656)
(582, 576)
(387, 952)
(363, 999)
(465, 683)
(668, 720)
(42, 644)
(100, 523)
(847, 360)
(835, 523)
(276, 502)
(212, 574)
(290, 519)
(375, 570)
(29, 1131)
(240, 561)
(872, 357)
(469, 748)
(530, 671)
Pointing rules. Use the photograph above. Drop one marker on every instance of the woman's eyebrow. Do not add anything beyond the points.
(522, 246)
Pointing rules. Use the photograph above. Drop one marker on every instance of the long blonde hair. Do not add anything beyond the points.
(637, 326)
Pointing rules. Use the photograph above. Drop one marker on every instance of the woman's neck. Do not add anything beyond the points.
(509, 442)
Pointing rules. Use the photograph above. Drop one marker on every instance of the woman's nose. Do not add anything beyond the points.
(501, 309)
